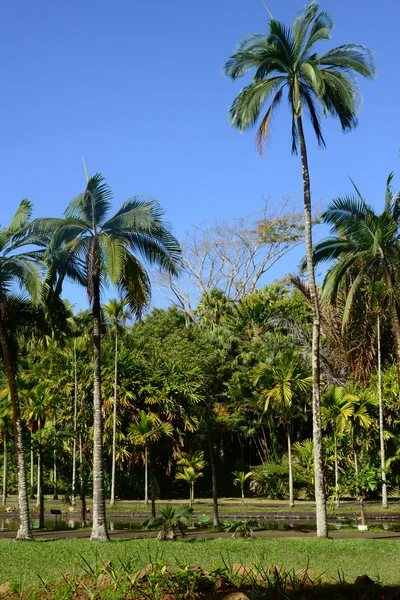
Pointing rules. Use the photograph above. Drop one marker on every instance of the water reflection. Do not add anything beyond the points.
(66, 523)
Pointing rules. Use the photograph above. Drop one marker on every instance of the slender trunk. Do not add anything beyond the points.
(355, 461)
(75, 426)
(153, 508)
(55, 494)
(381, 424)
(320, 497)
(243, 494)
(191, 494)
(214, 486)
(99, 525)
(5, 461)
(40, 489)
(32, 473)
(337, 499)
(394, 315)
(82, 483)
(114, 442)
(289, 445)
(24, 530)
(146, 477)
(38, 481)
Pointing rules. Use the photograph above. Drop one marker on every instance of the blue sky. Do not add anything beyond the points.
(137, 87)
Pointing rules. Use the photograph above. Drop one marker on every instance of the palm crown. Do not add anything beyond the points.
(93, 249)
(285, 60)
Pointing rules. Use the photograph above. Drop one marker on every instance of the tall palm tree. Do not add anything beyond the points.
(365, 248)
(117, 312)
(148, 429)
(337, 408)
(92, 249)
(18, 268)
(285, 60)
(283, 380)
(5, 435)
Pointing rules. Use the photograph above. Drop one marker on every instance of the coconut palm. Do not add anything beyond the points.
(189, 475)
(93, 250)
(337, 408)
(285, 60)
(18, 268)
(240, 479)
(117, 312)
(148, 429)
(365, 248)
(283, 380)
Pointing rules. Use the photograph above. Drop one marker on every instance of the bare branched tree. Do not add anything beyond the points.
(233, 255)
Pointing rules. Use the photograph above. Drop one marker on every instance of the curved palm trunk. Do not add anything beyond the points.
(381, 424)
(214, 486)
(337, 498)
(289, 445)
(320, 497)
(75, 424)
(24, 530)
(114, 442)
(99, 525)
(5, 466)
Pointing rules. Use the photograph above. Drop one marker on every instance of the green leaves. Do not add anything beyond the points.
(285, 58)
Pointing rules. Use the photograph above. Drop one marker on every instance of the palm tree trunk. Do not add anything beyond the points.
(82, 482)
(40, 489)
(5, 466)
(146, 477)
(191, 494)
(214, 486)
(55, 494)
(38, 481)
(243, 494)
(32, 472)
(24, 530)
(355, 460)
(381, 424)
(337, 499)
(99, 525)
(114, 442)
(75, 425)
(289, 445)
(320, 497)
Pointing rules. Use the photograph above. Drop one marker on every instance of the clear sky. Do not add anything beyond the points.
(136, 86)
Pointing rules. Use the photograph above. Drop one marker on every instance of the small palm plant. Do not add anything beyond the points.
(240, 479)
(189, 475)
(170, 520)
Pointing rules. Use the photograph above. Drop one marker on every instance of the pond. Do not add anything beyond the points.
(63, 523)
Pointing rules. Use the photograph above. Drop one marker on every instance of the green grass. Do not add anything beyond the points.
(22, 561)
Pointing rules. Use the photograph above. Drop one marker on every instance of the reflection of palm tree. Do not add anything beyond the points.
(148, 429)
(117, 312)
(282, 380)
(93, 249)
(285, 60)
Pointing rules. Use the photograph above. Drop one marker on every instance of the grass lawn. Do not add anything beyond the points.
(20, 562)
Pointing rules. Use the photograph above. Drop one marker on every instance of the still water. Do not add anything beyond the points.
(64, 523)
